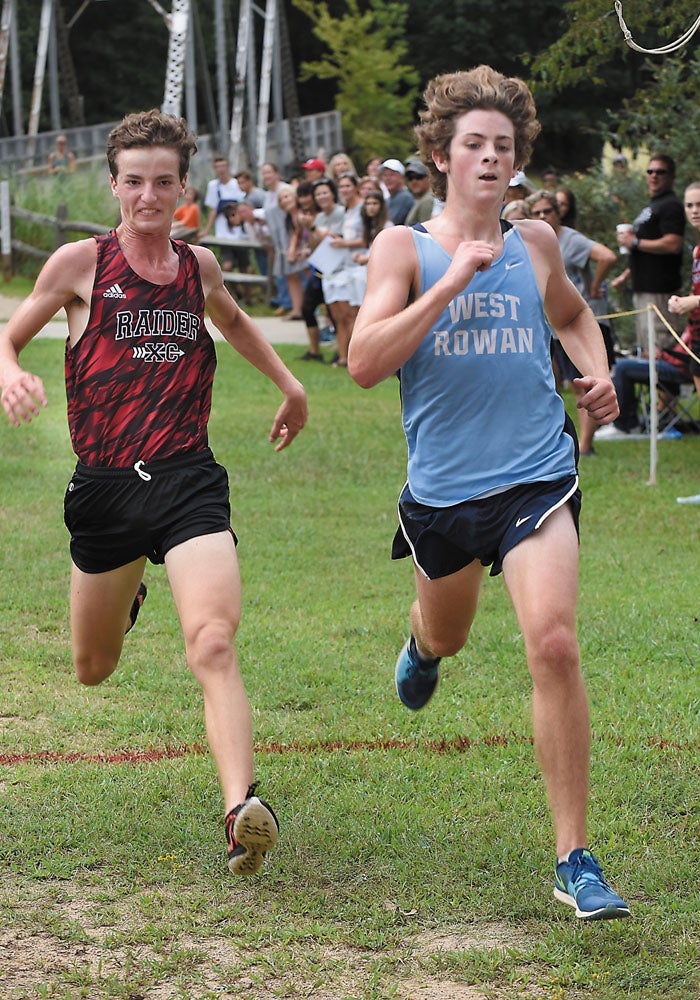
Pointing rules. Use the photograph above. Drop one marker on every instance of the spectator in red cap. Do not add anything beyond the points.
(314, 169)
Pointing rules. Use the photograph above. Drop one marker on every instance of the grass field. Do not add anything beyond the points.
(415, 860)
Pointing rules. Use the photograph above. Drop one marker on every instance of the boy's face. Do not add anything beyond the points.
(481, 158)
(692, 206)
(147, 187)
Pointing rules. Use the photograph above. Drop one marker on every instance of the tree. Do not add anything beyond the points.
(665, 117)
(443, 38)
(591, 58)
(376, 91)
(593, 40)
(119, 53)
(654, 104)
(508, 36)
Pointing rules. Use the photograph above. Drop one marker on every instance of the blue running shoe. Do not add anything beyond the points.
(415, 680)
(579, 882)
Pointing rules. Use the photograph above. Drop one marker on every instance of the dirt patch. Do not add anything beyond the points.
(82, 950)
(473, 937)
(438, 990)
(27, 960)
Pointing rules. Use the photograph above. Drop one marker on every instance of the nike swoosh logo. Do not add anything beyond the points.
(522, 520)
(509, 267)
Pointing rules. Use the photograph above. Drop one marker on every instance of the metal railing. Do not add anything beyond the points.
(322, 136)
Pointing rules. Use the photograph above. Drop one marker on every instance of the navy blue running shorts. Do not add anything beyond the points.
(443, 540)
(118, 515)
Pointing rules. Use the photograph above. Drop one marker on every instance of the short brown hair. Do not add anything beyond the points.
(151, 128)
(451, 95)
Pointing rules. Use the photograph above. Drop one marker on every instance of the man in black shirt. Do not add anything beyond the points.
(655, 247)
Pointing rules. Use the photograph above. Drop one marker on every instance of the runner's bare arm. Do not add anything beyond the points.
(65, 279)
(574, 323)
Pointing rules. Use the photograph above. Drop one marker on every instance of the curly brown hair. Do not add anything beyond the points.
(451, 95)
(151, 128)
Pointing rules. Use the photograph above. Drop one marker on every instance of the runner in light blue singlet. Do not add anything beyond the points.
(490, 346)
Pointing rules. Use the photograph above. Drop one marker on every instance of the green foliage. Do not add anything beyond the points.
(591, 59)
(118, 51)
(376, 90)
(665, 117)
(587, 44)
(593, 44)
(661, 117)
(443, 38)
(86, 194)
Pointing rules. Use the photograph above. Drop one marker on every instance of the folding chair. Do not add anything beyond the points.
(678, 407)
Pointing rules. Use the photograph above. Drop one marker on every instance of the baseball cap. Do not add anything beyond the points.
(314, 165)
(519, 180)
(620, 158)
(396, 165)
(417, 168)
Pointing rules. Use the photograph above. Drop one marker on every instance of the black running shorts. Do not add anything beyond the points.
(443, 540)
(118, 515)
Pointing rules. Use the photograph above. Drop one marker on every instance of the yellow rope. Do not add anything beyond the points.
(653, 308)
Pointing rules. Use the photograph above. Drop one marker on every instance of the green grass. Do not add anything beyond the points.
(416, 850)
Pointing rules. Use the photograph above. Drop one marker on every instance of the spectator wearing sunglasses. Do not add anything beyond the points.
(418, 182)
(654, 247)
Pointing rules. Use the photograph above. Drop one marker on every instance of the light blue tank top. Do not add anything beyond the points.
(480, 409)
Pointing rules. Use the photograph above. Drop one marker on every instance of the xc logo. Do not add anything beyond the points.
(158, 352)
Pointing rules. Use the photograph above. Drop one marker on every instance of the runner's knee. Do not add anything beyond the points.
(93, 668)
(553, 652)
(210, 648)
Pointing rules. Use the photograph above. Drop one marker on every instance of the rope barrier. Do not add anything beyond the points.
(653, 308)
(653, 381)
(663, 49)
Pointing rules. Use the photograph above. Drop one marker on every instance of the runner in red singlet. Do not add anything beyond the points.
(139, 370)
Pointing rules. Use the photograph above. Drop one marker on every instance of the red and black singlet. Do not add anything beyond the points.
(139, 380)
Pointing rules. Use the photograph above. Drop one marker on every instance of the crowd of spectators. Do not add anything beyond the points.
(313, 231)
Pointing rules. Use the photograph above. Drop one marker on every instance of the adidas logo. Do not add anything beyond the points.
(114, 292)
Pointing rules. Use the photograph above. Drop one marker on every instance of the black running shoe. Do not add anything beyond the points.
(136, 606)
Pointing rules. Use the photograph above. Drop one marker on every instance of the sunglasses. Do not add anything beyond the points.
(414, 177)
(659, 173)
